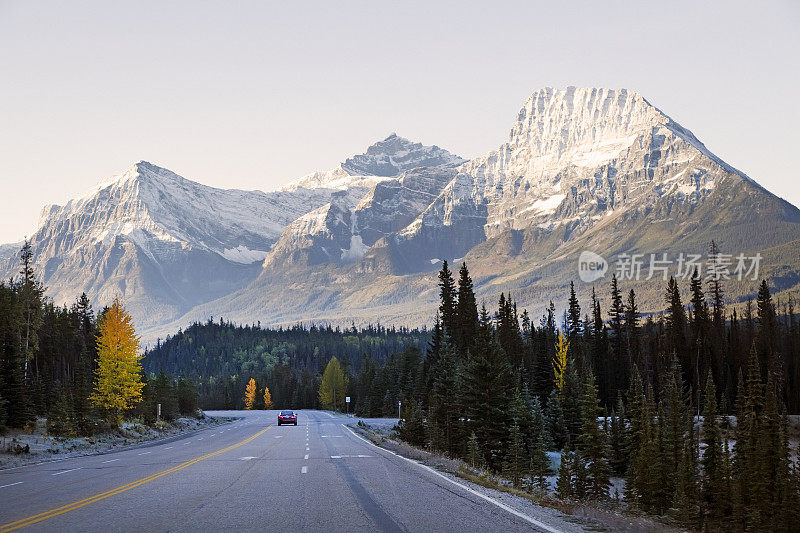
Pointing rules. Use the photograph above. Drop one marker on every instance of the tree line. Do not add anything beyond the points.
(616, 394)
(222, 357)
(55, 364)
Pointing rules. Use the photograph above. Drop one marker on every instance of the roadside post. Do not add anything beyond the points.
(347, 404)
(399, 403)
(158, 412)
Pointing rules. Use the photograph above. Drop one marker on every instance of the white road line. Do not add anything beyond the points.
(201, 438)
(10, 484)
(111, 460)
(489, 499)
(65, 471)
(169, 447)
(304, 470)
(304, 458)
(186, 443)
(307, 449)
(213, 435)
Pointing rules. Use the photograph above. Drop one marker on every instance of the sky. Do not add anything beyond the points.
(253, 94)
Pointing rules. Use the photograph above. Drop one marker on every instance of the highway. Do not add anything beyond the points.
(253, 475)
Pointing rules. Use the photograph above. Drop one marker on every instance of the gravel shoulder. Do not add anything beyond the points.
(565, 516)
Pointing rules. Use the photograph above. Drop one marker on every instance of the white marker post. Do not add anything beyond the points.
(158, 413)
(347, 402)
(399, 403)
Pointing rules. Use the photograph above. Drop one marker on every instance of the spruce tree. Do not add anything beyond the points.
(516, 461)
(447, 301)
(466, 311)
(564, 479)
(714, 498)
(574, 325)
(592, 444)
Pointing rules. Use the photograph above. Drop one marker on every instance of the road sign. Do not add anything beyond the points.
(347, 399)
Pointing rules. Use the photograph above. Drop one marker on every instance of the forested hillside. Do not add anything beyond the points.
(221, 357)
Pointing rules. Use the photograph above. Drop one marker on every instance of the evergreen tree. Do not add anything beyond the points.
(574, 325)
(447, 299)
(592, 444)
(564, 488)
(714, 498)
(466, 311)
(60, 419)
(412, 426)
(620, 364)
(516, 463)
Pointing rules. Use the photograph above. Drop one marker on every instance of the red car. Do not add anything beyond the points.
(287, 417)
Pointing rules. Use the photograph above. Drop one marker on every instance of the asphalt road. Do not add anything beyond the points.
(251, 475)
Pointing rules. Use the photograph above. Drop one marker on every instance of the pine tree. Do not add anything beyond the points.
(447, 298)
(574, 325)
(556, 423)
(564, 488)
(632, 330)
(516, 463)
(30, 296)
(686, 500)
(592, 444)
(474, 455)
(412, 427)
(620, 365)
(466, 311)
(714, 497)
(118, 384)
(60, 419)
(539, 465)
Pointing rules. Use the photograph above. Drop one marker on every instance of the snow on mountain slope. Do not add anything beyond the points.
(386, 206)
(385, 159)
(573, 156)
(583, 169)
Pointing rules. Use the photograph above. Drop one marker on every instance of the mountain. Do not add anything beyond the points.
(583, 169)
(166, 244)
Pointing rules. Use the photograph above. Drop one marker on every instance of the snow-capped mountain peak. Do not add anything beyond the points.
(382, 160)
(394, 155)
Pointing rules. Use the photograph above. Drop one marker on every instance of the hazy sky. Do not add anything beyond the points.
(253, 94)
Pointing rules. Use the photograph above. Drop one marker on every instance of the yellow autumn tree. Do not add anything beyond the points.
(118, 378)
(560, 360)
(267, 398)
(333, 387)
(250, 394)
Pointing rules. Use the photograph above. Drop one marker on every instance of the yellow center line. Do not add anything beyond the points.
(24, 522)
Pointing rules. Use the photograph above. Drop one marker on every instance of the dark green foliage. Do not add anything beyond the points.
(412, 427)
(516, 462)
(564, 484)
(187, 397)
(60, 419)
(447, 297)
(592, 445)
